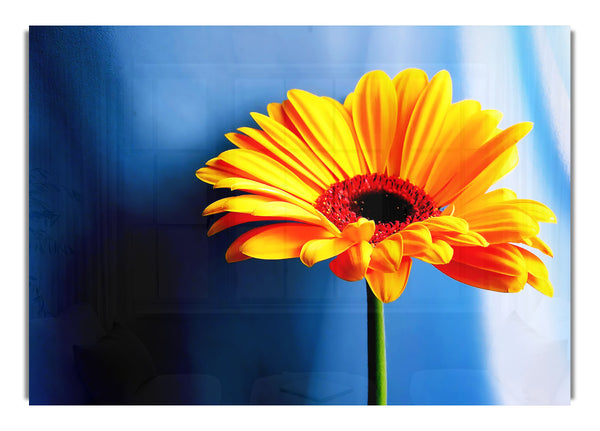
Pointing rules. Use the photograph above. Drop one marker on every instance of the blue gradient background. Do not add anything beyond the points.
(124, 116)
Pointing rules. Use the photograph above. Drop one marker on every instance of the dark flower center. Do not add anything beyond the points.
(390, 202)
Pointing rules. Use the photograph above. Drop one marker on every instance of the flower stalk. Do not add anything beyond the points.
(377, 394)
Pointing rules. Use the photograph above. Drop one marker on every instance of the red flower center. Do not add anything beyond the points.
(390, 202)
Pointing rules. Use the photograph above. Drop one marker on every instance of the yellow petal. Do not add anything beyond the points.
(415, 238)
(537, 210)
(233, 219)
(388, 286)
(267, 170)
(238, 204)
(446, 223)
(454, 231)
(387, 255)
(534, 265)
(439, 252)
(352, 264)
(281, 241)
(501, 223)
(473, 165)
(348, 102)
(409, 85)
(285, 210)
(256, 187)
(492, 197)
(317, 250)
(323, 129)
(537, 243)
(457, 117)
(296, 149)
(360, 230)
(424, 127)
(211, 175)
(452, 156)
(375, 111)
(277, 113)
(355, 157)
(500, 167)
(542, 285)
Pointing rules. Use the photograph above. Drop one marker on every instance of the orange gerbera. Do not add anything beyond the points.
(396, 172)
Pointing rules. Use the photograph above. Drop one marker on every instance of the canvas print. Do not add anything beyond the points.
(299, 215)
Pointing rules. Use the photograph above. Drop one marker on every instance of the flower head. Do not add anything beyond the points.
(396, 172)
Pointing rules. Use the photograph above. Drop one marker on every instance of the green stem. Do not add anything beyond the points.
(376, 348)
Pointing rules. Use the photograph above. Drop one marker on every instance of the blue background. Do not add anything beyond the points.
(121, 118)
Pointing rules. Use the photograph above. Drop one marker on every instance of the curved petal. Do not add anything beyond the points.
(317, 250)
(234, 219)
(540, 245)
(500, 258)
(388, 286)
(542, 285)
(238, 204)
(387, 255)
(482, 278)
(360, 230)
(280, 241)
(352, 264)
(454, 231)
(415, 238)
(374, 111)
(439, 252)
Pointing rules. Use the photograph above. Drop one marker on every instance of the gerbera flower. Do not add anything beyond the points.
(396, 172)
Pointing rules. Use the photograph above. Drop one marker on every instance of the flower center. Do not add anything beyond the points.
(390, 202)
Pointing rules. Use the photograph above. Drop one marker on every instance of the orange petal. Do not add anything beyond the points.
(500, 258)
(234, 219)
(280, 241)
(352, 264)
(317, 250)
(482, 278)
(388, 286)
